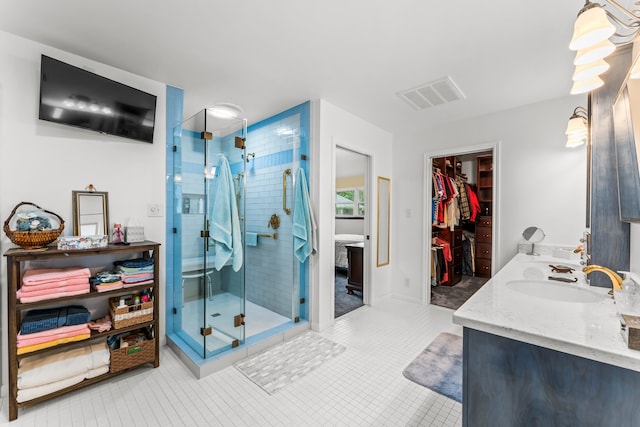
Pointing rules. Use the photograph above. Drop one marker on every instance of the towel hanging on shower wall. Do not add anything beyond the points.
(225, 230)
(304, 224)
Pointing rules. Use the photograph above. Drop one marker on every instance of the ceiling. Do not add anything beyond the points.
(356, 54)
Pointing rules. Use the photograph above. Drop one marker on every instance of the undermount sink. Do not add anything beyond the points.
(555, 291)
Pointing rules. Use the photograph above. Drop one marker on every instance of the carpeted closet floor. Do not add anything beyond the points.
(454, 296)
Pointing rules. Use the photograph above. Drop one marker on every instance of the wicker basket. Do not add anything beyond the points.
(128, 357)
(32, 239)
(123, 317)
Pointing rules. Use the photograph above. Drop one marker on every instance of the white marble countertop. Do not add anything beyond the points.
(586, 329)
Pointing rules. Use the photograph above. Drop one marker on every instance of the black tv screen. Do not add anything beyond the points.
(72, 96)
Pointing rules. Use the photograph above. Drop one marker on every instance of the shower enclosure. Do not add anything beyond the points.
(224, 298)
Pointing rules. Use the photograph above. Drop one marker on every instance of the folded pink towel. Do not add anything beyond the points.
(59, 294)
(27, 292)
(38, 276)
(52, 335)
(54, 284)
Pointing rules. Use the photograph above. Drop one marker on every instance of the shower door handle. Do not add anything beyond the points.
(284, 191)
(205, 234)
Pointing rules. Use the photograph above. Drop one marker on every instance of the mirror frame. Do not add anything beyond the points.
(626, 150)
(75, 201)
(384, 221)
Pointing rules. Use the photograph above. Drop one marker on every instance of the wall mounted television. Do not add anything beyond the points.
(72, 96)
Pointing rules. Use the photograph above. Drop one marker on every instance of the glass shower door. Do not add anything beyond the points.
(209, 302)
(224, 234)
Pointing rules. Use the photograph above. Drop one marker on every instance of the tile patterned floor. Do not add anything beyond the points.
(364, 386)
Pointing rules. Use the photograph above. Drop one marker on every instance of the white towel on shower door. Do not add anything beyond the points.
(225, 229)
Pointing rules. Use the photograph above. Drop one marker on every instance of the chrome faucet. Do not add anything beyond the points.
(616, 280)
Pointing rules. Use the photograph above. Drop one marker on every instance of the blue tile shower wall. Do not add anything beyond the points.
(270, 271)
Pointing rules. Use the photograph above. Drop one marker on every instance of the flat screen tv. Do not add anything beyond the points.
(72, 96)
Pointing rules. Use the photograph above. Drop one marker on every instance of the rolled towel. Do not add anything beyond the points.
(251, 239)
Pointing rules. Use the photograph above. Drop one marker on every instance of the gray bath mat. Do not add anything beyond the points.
(281, 365)
(439, 366)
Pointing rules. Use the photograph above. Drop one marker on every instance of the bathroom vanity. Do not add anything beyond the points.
(543, 352)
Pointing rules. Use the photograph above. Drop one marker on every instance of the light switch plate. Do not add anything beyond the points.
(154, 209)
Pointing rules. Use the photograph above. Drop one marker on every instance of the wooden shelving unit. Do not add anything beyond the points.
(484, 227)
(18, 259)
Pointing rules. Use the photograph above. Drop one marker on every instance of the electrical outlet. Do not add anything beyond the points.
(154, 209)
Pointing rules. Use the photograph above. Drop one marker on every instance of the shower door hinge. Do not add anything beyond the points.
(175, 230)
(238, 320)
(206, 331)
(206, 135)
(239, 142)
(235, 343)
(175, 148)
(296, 319)
(302, 301)
(303, 157)
(204, 233)
(175, 310)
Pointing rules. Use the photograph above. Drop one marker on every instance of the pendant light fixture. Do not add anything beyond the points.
(596, 34)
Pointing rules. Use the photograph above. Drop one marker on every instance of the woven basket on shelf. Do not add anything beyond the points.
(32, 239)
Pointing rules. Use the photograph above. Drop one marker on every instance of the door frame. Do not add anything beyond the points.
(494, 147)
(366, 273)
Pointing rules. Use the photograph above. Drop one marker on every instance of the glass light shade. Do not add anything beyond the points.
(583, 86)
(635, 70)
(577, 126)
(587, 71)
(575, 142)
(593, 53)
(591, 26)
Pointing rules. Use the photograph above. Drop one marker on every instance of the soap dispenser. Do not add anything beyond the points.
(629, 287)
(630, 303)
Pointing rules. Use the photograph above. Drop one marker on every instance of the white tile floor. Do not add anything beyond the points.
(363, 386)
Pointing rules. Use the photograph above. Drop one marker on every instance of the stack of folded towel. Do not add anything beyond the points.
(134, 272)
(53, 326)
(44, 284)
(105, 281)
(39, 375)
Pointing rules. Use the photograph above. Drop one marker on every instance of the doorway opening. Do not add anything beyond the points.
(351, 230)
(461, 225)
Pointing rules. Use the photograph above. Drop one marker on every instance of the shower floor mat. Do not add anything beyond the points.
(281, 365)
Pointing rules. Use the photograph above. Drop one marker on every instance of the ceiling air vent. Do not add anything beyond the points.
(437, 92)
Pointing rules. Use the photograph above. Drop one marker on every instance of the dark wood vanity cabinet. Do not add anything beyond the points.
(354, 272)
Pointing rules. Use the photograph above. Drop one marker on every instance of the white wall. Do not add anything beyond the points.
(349, 226)
(333, 126)
(43, 162)
(541, 183)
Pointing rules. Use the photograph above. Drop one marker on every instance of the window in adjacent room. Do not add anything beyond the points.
(350, 202)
